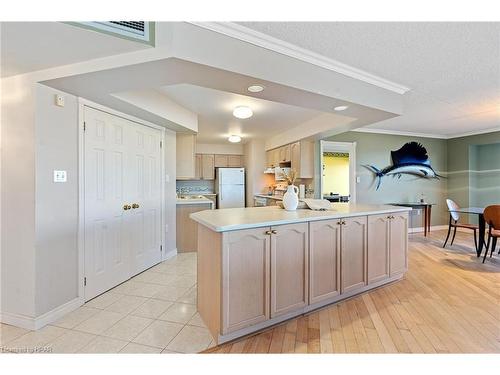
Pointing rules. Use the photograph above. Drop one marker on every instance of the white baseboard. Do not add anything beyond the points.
(28, 322)
(170, 254)
(436, 227)
(421, 229)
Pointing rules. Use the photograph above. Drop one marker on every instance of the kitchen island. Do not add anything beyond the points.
(260, 266)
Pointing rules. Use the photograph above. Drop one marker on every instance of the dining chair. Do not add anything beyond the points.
(454, 218)
(492, 218)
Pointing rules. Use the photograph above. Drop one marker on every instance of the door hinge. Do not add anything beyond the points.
(84, 126)
(161, 144)
(161, 248)
(84, 281)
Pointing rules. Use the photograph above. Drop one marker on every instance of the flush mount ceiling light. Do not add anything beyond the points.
(256, 88)
(234, 139)
(340, 108)
(242, 112)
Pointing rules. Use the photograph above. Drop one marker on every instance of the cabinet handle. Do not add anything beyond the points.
(343, 222)
(127, 207)
(392, 217)
(389, 217)
(268, 232)
(135, 205)
(274, 231)
(339, 223)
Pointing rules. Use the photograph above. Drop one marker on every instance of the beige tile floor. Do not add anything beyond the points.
(154, 312)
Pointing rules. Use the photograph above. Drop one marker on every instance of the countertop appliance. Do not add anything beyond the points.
(278, 173)
(230, 187)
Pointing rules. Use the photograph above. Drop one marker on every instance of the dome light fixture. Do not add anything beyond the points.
(234, 139)
(255, 88)
(341, 108)
(242, 112)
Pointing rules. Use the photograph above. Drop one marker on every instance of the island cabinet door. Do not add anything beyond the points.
(398, 243)
(378, 247)
(324, 260)
(289, 268)
(353, 257)
(245, 278)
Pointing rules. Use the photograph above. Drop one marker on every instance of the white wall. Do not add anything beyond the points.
(17, 190)
(56, 204)
(170, 194)
(217, 148)
(255, 163)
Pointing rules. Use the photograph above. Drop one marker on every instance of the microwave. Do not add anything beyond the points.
(278, 173)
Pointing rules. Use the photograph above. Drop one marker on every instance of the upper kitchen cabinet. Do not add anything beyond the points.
(205, 169)
(284, 154)
(185, 156)
(302, 158)
(232, 161)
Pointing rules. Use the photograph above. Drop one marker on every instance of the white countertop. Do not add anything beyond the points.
(254, 217)
(195, 201)
(276, 197)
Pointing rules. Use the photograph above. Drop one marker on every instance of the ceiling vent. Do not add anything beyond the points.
(133, 30)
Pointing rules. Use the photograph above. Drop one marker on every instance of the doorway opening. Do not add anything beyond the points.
(338, 171)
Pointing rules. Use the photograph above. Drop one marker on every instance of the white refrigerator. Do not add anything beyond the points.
(230, 187)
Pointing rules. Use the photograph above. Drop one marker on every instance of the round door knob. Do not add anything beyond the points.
(274, 232)
(127, 207)
(135, 205)
(267, 232)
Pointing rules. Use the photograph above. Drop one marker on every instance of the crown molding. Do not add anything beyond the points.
(397, 132)
(424, 135)
(268, 42)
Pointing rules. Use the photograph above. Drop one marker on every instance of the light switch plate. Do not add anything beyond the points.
(60, 176)
(358, 180)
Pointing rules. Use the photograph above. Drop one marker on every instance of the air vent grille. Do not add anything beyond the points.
(137, 30)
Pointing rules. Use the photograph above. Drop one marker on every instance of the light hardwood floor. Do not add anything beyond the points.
(448, 302)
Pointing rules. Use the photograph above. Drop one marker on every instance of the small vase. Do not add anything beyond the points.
(290, 198)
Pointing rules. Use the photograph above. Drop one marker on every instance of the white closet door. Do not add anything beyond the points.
(107, 255)
(122, 168)
(145, 192)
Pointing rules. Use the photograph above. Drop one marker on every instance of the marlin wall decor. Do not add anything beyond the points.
(410, 159)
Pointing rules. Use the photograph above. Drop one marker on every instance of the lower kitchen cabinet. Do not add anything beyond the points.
(398, 239)
(289, 268)
(378, 247)
(324, 260)
(353, 244)
(245, 278)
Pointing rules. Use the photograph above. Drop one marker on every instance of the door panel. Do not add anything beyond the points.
(121, 166)
(145, 193)
(378, 247)
(399, 244)
(245, 281)
(324, 260)
(289, 268)
(107, 258)
(353, 259)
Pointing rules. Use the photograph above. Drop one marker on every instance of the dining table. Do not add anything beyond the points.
(479, 211)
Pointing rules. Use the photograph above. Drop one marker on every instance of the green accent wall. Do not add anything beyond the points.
(471, 165)
(375, 149)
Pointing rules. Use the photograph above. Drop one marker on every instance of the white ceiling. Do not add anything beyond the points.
(453, 69)
(216, 121)
(32, 46)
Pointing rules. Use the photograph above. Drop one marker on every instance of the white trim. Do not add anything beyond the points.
(436, 227)
(170, 254)
(397, 132)
(424, 135)
(28, 322)
(266, 41)
(349, 147)
(82, 103)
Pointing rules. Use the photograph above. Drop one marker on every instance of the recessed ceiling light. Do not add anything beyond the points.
(242, 112)
(234, 139)
(341, 108)
(256, 88)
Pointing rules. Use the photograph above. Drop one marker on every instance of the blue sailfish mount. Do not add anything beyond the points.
(410, 159)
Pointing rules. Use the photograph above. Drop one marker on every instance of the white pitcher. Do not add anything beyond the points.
(290, 198)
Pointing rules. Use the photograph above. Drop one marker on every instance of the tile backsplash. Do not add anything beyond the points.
(195, 186)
